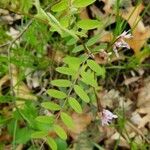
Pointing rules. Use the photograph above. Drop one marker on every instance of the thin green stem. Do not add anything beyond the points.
(14, 135)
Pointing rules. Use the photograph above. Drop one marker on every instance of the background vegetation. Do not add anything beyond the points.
(59, 70)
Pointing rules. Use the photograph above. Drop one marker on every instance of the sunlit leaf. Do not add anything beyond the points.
(96, 67)
(89, 78)
(73, 62)
(93, 40)
(78, 48)
(75, 105)
(56, 94)
(60, 132)
(81, 93)
(88, 24)
(61, 83)
(51, 142)
(82, 3)
(39, 134)
(72, 41)
(45, 119)
(60, 6)
(67, 120)
(51, 106)
(66, 70)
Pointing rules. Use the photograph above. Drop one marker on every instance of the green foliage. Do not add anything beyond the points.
(52, 144)
(67, 120)
(88, 24)
(60, 132)
(61, 144)
(78, 48)
(93, 40)
(60, 6)
(56, 94)
(71, 85)
(23, 135)
(81, 93)
(46, 119)
(39, 134)
(75, 105)
(83, 3)
(25, 5)
(89, 78)
(66, 70)
(61, 83)
(96, 68)
(51, 105)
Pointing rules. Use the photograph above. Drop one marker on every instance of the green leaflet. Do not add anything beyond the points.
(88, 24)
(26, 5)
(67, 120)
(45, 119)
(81, 93)
(82, 3)
(75, 105)
(62, 5)
(72, 41)
(89, 78)
(39, 134)
(66, 70)
(61, 83)
(56, 94)
(51, 106)
(73, 62)
(93, 40)
(53, 22)
(51, 142)
(78, 48)
(96, 67)
(60, 132)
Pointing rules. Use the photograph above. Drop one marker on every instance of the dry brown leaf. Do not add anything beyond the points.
(140, 32)
(84, 14)
(130, 80)
(81, 121)
(122, 141)
(2, 81)
(20, 89)
(144, 94)
(143, 104)
(135, 118)
(108, 5)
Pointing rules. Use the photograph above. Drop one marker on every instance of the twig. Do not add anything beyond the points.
(6, 44)
(71, 88)
(9, 56)
(138, 131)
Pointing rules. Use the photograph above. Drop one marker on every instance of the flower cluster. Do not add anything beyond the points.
(120, 43)
(107, 117)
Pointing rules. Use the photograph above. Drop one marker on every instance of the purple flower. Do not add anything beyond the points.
(107, 117)
(125, 35)
(120, 43)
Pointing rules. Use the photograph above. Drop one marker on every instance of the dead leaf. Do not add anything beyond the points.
(84, 14)
(20, 89)
(130, 80)
(81, 121)
(140, 32)
(144, 94)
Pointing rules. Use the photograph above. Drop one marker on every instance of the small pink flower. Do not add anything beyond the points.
(120, 43)
(107, 117)
(115, 50)
(125, 35)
